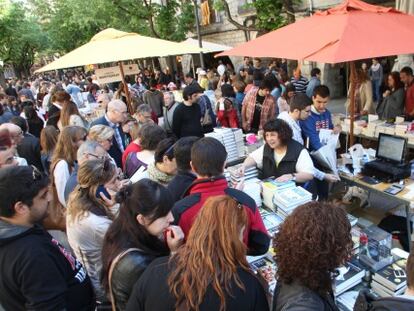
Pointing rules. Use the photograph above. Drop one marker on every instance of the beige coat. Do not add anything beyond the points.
(365, 98)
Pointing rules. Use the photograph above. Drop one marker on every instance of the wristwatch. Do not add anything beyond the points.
(293, 177)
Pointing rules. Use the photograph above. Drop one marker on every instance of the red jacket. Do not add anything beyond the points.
(255, 236)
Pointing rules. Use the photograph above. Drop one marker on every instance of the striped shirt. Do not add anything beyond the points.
(300, 85)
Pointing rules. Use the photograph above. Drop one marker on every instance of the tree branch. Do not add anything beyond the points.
(234, 22)
(150, 18)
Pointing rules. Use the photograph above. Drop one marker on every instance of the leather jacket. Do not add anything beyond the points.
(126, 273)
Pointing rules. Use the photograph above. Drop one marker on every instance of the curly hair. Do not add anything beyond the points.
(312, 242)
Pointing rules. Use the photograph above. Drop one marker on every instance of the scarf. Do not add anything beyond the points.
(375, 67)
(156, 175)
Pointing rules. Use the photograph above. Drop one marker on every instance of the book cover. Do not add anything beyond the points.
(349, 275)
(393, 276)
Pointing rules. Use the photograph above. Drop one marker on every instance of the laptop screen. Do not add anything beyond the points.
(391, 148)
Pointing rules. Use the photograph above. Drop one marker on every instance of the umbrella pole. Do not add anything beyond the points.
(352, 102)
(121, 69)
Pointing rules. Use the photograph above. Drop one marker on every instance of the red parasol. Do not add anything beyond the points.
(350, 31)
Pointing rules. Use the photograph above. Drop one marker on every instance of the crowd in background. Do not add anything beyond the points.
(145, 218)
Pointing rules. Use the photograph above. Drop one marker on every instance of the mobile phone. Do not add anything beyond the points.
(102, 189)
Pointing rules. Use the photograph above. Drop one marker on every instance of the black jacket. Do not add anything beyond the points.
(151, 292)
(180, 183)
(125, 275)
(295, 297)
(288, 163)
(367, 302)
(29, 149)
(37, 273)
(114, 152)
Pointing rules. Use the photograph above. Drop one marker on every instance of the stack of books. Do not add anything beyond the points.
(350, 275)
(402, 128)
(288, 199)
(233, 141)
(346, 301)
(265, 268)
(271, 221)
(392, 280)
(371, 127)
(252, 187)
(233, 176)
(270, 187)
(386, 128)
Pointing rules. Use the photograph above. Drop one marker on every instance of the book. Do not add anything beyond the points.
(270, 187)
(271, 221)
(346, 301)
(288, 199)
(383, 291)
(394, 276)
(349, 276)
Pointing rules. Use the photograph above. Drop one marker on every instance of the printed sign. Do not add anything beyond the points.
(113, 74)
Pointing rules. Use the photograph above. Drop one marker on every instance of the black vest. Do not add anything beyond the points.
(286, 166)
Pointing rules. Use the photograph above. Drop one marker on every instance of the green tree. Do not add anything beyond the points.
(270, 14)
(70, 24)
(22, 37)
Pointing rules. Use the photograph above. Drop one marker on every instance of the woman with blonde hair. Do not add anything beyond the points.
(89, 214)
(70, 115)
(102, 134)
(209, 272)
(48, 141)
(64, 158)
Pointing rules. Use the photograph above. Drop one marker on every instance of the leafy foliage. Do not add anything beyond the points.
(22, 37)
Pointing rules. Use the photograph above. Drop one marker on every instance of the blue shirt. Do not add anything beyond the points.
(312, 125)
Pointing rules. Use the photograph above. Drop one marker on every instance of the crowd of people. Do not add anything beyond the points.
(131, 210)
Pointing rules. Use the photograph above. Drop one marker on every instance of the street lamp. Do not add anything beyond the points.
(200, 43)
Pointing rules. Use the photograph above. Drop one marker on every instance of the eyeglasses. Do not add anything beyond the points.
(96, 156)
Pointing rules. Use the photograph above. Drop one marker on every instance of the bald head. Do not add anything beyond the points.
(16, 133)
(117, 111)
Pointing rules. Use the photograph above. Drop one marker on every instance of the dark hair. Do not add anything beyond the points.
(150, 135)
(227, 91)
(257, 75)
(397, 80)
(320, 230)
(189, 75)
(299, 101)
(19, 183)
(61, 96)
(208, 156)
(153, 83)
(20, 122)
(239, 85)
(266, 84)
(165, 148)
(275, 82)
(182, 152)
(407, 70)
(290, 88)
(145, 197)
(410, 270)
(322, 91)
(282, 129)
(315, 71)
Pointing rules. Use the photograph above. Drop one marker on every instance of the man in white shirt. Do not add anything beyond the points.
(300, 108)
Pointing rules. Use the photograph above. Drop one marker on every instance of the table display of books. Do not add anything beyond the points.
(350, 275)
(271, 221)
(233, 141)
(391, 280)
(288, 199)
(270, 187)
(265, 268)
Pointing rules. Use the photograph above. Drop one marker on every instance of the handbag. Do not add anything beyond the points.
(111, 270)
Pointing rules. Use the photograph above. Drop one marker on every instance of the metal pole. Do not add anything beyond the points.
(126, 90)
(200, 43)
(352, 102)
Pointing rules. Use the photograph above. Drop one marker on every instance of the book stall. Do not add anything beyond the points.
(375, 265)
